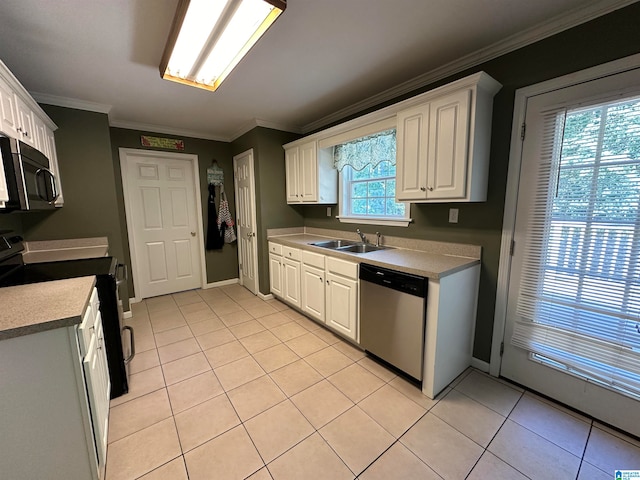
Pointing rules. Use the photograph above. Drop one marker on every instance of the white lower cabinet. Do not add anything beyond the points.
(312, 284)
(342, 297)
(275, 274)
(323, 287)
(291, 276)
(55, 402)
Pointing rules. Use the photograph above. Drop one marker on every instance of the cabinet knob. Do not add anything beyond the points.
(431, 189)
(422, 189)
(193, 234)
(327, 282)
(320, 279)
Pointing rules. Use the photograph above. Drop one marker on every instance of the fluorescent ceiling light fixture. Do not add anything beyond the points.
(209, 37)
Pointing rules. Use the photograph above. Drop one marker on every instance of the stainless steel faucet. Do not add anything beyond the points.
(377, 239)
(362, 237)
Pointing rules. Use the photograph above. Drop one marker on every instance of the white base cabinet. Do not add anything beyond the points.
(291, 276)
(312, 284)
(48, 401)
(326, 289)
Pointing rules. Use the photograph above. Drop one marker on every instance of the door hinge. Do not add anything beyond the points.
(501, 348)
(512, 247)
(523, 131)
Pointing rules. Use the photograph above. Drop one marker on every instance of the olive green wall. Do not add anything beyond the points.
(607, 38)
(221, 264)
(272, 210)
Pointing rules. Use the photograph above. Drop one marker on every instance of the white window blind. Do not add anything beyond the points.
(579, 301)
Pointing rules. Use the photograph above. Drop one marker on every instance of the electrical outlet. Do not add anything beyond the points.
(453, 215)
(328, 211)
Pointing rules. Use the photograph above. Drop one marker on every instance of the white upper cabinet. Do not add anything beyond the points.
(26, 129)
(443, 143)
(8, 111)
(310, 176)
(23, 119)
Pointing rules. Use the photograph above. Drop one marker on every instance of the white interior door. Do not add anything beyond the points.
(540, 272)
(163, 220)
(244, 180)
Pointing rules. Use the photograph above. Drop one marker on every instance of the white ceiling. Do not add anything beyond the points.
(321, 60)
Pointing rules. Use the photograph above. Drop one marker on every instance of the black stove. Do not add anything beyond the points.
(109, 274)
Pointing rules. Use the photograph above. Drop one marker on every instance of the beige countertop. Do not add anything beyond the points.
(70, 249)
(37, 307)
(423, 263)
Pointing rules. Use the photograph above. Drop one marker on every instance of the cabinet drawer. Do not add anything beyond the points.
(291, 253)
(275, 248)
(313, 259)
(341, 267)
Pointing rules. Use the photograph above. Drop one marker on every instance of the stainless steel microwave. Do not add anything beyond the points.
(30, 182)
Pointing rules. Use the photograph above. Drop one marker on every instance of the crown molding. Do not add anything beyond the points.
(70, 103)
(539, 32)
(149, 127)
(256, 122)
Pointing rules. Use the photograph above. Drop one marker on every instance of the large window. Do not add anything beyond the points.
(367, 168)
(581, 288)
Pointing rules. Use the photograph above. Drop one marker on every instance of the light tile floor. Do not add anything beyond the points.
(227, 386)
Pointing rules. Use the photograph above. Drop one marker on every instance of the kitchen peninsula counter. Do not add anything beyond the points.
(37, 307)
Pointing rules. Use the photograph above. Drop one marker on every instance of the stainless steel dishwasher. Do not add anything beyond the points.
(392, 317)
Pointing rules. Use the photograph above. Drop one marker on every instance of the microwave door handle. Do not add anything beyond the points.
(54, 188)
(52, 181)
(38, 172)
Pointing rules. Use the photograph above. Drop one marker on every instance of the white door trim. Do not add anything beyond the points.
(253, 210)
(123, 154)
(513, 179)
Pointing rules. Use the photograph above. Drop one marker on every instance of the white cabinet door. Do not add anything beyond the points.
(291, 171)
(8, 111)
(275, 274)
(26, 130)
(98, 387)
(448, 146)
(40, 133)
(411, 152)
(308, 173)
(291, 282)
(312, 284)
(342, 305)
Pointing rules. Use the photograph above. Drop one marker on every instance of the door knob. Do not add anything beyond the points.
(193, 234)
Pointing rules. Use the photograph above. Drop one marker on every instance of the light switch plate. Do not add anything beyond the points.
(453, 215)
(328, 211)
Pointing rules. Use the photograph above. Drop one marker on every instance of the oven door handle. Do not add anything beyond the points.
(125, 274)
(133, 345)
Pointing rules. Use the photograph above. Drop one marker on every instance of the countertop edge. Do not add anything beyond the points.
(367, 258)
(63, 315)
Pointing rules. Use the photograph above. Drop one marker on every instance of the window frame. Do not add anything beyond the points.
(344, 204)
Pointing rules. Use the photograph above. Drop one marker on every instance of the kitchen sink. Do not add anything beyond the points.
(334, 244)
(361, 248)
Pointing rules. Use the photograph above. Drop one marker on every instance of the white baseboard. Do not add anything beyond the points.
(135, 300)
(222, 283)
(480, 364)
(268, 296)
(127, 314)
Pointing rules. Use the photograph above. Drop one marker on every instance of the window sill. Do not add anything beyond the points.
(399, 222)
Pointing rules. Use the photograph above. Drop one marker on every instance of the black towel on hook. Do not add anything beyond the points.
(215, 240)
